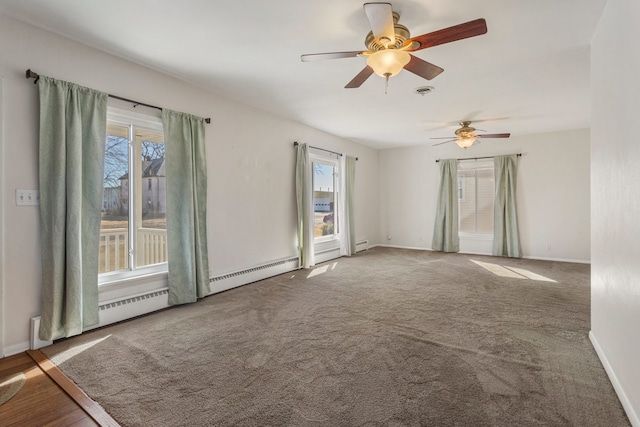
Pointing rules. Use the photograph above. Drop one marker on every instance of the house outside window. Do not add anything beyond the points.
(133, 239)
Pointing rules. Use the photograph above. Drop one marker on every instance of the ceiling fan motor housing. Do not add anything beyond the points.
(401, 32)
(465, 130)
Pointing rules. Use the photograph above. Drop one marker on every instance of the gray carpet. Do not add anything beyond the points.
(388, 337)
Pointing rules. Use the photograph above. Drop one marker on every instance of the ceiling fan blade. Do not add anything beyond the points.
(494, 135)
(380, 16)
(422, 68)
(360, 78)
(445, 142)
(329, 55)
(448, 35)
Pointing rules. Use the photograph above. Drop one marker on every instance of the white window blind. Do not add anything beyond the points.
(476, 197)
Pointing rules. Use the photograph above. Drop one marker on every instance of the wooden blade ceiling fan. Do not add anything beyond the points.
(389, 44)
(467, 135)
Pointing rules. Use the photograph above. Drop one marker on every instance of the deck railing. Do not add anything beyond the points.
(114, 243)
(152, 246)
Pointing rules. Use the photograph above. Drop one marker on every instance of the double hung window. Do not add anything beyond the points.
(133, 238)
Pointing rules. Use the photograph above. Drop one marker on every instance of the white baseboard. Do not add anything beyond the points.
(15, 349)
(399, 247)
(576, 261)
(626, 404)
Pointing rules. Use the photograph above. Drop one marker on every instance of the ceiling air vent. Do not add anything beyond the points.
(423, 90)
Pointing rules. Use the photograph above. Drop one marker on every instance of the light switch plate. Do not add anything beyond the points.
(27, 197)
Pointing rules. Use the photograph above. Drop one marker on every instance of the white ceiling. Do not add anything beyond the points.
(528, 74)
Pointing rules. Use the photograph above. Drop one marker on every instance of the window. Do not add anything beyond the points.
(476, 192)
(133, 238)
(325, 197)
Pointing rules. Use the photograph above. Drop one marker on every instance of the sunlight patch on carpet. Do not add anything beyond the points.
(74, 351)
(513, 272)
(318, 271)
(531, 275)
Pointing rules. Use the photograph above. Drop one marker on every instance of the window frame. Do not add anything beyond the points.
(330, 159)
(475, 166)
(132, 120)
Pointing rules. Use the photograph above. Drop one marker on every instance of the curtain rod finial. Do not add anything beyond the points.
(31, 75)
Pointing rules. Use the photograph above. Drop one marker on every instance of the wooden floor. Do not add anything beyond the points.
(48, 397)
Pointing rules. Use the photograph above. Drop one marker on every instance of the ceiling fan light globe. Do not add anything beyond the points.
(388, 62)
(465, 142)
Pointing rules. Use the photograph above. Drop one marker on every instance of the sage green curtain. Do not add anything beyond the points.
(348, 232)
(73, 122)
(304, 197)
(445, 232)
(186, 170)
(506, 240)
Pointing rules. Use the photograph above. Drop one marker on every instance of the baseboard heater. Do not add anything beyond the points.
(126, 308)
(117, 310)
(333, 253)
(362, 245)
(238, 278)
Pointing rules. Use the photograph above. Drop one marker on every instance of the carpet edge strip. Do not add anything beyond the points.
(88, 405)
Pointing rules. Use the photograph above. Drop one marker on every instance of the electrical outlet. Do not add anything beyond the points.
(27, 197)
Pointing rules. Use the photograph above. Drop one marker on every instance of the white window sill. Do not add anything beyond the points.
(126, 286)
(326, 243)
(108, 282)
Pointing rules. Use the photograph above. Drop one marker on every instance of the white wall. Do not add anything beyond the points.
(250, 155)
(2, 245)
(553, 193)
(615, 208)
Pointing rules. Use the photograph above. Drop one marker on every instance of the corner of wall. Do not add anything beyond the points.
(2, 239)
(624, 400)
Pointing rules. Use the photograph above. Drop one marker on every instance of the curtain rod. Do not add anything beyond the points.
(478, 158)
(31, 75)
(295, 144)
